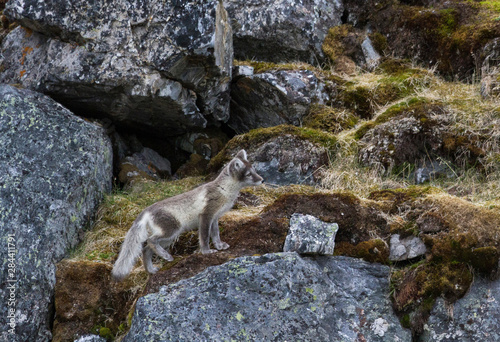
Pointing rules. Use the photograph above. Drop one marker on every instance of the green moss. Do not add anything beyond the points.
(261, 67)
(492, 5)
(405, 321)
(417, 107)
(374, 250)
(379, 41)
(333, 45)
(416, 289)
(329, 119)
(358, 99)
(464, 248)
(258, 136)
(106, 333)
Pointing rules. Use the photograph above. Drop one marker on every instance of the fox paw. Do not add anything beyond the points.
(208, 251)
(153, 270)
(221, 245)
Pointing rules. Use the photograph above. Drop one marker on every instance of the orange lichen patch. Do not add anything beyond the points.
(26, 51)
(28, 31)
(21, 74)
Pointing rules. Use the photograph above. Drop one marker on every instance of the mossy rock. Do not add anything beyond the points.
(329, 119)
(449, 35)
(359, 100)
(333, 45)
(416, 106)
(464, 248)
(258, 136)
(355, 217)
(379, 42)
(416, 289)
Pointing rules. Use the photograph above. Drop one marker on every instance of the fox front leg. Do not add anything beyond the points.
(214, 234)
(204, 234)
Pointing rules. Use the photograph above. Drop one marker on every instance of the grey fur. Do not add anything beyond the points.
(161, 223)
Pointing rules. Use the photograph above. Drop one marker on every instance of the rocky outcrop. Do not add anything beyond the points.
(283, 154)
(409, 137)
(54, 169)
(150, 66)
(282, 30)
(274, 297)
(475, 317)
(289, 160)
(144, 164)
(309, 235)
(273, 98)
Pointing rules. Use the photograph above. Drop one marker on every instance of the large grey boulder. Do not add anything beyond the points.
(160, 67)
(309, 235)
(273, 98)
(474, 318)
(54, 170)
(274, 297)
(282, 30)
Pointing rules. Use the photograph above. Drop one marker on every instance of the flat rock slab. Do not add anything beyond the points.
(309, 235)
(274, 297)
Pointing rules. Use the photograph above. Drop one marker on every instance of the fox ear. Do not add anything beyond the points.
(238, 164)
(242, 154)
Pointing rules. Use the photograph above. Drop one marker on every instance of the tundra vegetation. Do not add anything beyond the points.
(456, 214)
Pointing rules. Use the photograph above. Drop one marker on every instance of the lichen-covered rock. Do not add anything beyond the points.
(273, 98)
(146, 64)
(372, 57)
(308, 235)
(282, 30)
(474, 318)
(406, 248)
(274, 297)
(282, 154)
(410, 137)
(54, 170)
(289, 160)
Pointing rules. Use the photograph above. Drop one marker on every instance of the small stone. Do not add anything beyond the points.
(308, 235)
(407, 248)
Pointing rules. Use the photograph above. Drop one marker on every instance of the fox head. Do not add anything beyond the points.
(241, 170)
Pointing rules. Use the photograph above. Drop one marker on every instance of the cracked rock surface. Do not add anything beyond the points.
(162, 68)
(274, 297)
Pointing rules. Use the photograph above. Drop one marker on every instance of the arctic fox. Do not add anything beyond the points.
(161, 223)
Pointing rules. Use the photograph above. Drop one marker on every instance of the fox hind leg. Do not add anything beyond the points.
(154, 245)
(147, 259)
